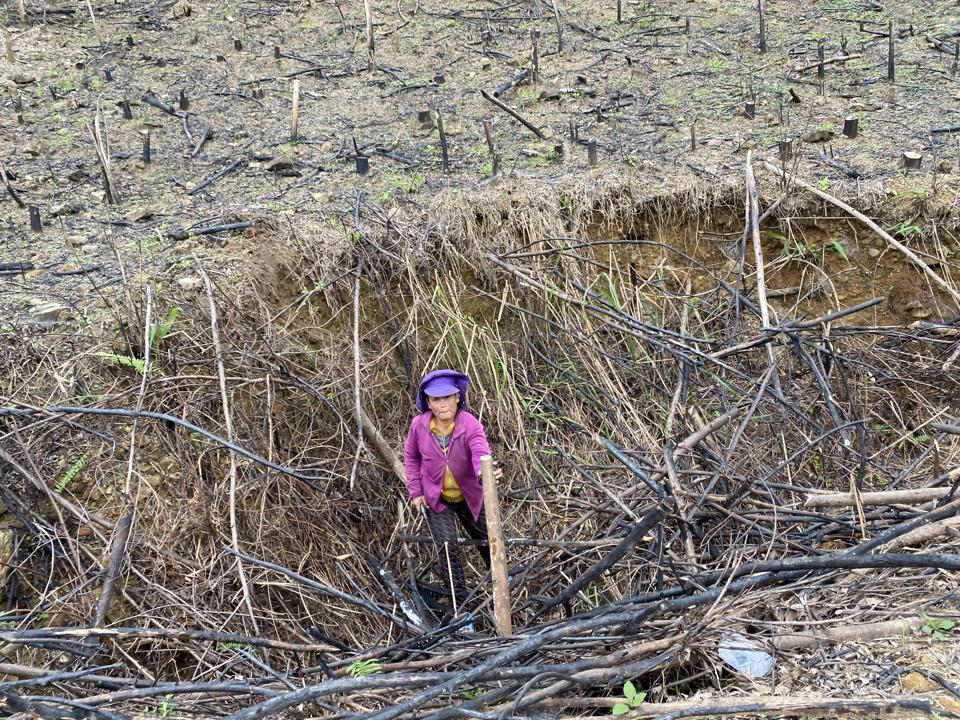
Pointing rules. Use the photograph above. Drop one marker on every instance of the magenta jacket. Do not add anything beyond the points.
(425, 463)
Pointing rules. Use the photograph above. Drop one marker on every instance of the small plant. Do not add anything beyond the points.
(363, 668)
(906, 231)
(716, 64)
(160, 330)
(407, 183)
(936, 628)
(823, 183)
(126, 361)
(566, 204)
(631, 699)
(841, 251)
(228, 646)
(71, 473)
(917, 193)
(166, 706)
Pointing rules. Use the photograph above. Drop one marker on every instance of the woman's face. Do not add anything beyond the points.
(444, 408)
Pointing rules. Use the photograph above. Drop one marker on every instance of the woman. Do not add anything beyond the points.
(441, 457)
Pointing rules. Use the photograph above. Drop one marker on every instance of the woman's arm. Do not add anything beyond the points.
(411, 464)
(477, 442)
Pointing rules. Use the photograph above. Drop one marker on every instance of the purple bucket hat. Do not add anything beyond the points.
(440, 383)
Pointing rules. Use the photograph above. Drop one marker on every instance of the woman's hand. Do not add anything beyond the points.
(418, 503)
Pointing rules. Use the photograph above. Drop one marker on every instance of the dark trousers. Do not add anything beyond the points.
(444, 531)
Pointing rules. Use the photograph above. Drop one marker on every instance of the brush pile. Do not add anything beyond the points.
(712, 501)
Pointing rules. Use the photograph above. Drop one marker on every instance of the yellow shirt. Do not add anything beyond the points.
(451, 491)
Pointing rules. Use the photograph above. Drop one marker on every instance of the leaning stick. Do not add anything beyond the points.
(498, 551)
(890, 240)
(231, 436)
(514, 114)
(96, 28)
(372, 433)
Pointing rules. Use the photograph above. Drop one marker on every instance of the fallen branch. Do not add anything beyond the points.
(123, 412)
(769, 705)
(828, 61)
(849, 633)
(924, 534)
(886, 497)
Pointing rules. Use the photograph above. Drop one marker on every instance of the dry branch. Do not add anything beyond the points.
(848, 633)
(231, 437)
(514, 114)
(889, 497)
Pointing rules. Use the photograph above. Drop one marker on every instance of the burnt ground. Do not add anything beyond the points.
(637, 88)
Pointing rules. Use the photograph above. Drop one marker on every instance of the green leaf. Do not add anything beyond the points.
(841, 251)
(160, 330)
(621, 708)
(71, 473)
(126, 361)
(638, 700)
(629, 690)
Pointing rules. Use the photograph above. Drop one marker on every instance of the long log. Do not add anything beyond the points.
(771, 705)
(885, 497)
(848, 633)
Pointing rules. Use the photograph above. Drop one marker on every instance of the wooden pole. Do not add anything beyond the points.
(891, 54)
(295, 113)
(535, 38)
(444, 152)
(763, 27)
(498, 550)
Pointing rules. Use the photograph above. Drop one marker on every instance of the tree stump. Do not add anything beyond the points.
(912, 160)
(851, 125)
(785, 148)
